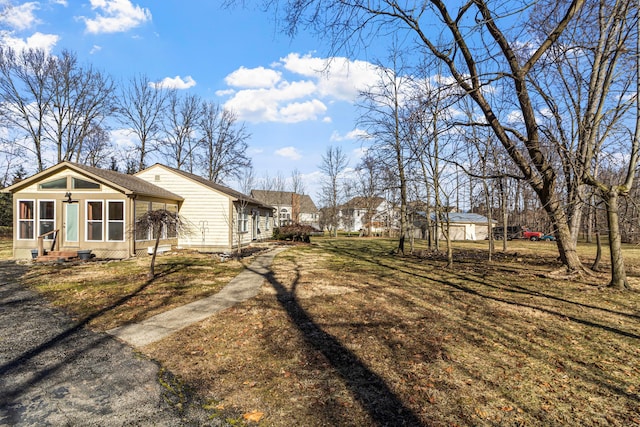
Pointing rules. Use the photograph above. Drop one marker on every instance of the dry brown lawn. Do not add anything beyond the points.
(109, 294)
(347, 334)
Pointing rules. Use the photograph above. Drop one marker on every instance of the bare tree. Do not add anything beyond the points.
(157, 222)
(97, 149)
(224, 143)
(81, 99)
(140, 108)
(384, 111)
(179, 143)
(24, 96)
(476, 57)
(368, 186)
(593, 64)
(334, 163)
(297, 184)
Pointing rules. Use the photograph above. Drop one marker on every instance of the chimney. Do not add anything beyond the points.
(295, 207)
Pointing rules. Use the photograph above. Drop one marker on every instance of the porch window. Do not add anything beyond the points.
(26, 220)
(172, 230)
(156, 206)
(94, 220)
(243, 220)
(46, 217)
(115, 221)
(268, 218)
(141, 209)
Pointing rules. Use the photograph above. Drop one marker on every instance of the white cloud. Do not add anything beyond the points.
(19, 17)
(356, 134)
(95, 49)
(515, 117)
(123, 138)
(265, 95)
(259, 77)
(301, 111)
(276, 104)
(338, 77)
(176, 82)
(38, 40)
(289, 153)
(115, 16)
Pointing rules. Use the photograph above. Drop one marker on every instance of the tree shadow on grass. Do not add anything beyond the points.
(374, 395)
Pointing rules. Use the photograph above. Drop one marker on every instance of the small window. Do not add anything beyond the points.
(115, 221)
(58, 184)
(94, 221)
(243, 220)
(26, 219)
(84, 184)
(268, 220)
(46, 217)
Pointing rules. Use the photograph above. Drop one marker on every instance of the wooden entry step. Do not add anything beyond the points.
(58, 255)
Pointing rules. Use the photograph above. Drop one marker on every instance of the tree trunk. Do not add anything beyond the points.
(618, 271)
(596, 262)
(152, 267)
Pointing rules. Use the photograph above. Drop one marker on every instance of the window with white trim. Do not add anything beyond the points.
(115, 220)
(243, 220)
(46, 217)
(94, 220)
(268, 218)
(26, 220)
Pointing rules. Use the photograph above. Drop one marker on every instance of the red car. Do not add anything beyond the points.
(531, 235)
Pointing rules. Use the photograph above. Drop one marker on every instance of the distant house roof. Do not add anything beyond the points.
(128, 184)
(363, 202)
(207, 183)
(279, 198)
(463, 217)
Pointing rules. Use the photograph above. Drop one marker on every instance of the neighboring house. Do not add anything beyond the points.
(96, 209)
(90, 208)
(292, 208)
(215, 217)
(462, 226)
(370, 215)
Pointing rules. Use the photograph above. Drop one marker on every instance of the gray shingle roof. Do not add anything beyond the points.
(463, 217)
(278, 198)
(128, 184)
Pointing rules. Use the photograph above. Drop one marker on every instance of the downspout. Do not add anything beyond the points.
(132, 224)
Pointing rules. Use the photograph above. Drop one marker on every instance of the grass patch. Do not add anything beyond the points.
(6, 248)
(346, 334)
(112, 294)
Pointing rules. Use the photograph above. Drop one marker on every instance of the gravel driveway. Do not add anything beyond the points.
(54, 372)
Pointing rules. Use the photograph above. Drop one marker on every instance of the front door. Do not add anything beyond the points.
(71, 224)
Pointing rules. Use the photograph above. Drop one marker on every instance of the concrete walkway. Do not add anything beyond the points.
(244, 286)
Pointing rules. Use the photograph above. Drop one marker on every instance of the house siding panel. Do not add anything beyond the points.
(204, 210)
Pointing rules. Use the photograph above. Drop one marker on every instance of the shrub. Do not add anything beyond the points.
(295, 232)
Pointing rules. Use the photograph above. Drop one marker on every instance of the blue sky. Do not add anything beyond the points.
(235, 57)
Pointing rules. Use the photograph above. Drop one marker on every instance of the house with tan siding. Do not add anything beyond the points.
(71, 207)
